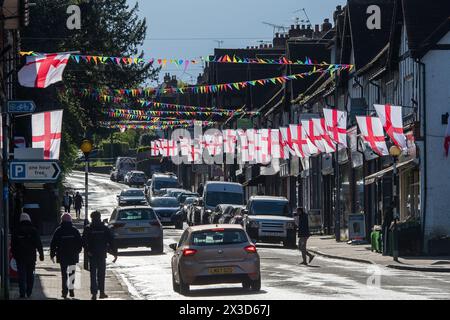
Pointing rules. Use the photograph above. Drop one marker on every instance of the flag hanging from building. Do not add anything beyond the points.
(302, 145)
(336, 126)
(43, 71)
(242, 146)
(263, 146)
(447, 140)
(155, 148)
(214, 143)
(46, 128)
(392, 121)
(229, 141)
(315, 130)
(373, 134)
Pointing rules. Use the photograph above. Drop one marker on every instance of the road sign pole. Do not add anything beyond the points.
(86, 210)
(5, 208)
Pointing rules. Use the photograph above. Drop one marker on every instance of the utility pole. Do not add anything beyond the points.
(5, 207)
(337, 207)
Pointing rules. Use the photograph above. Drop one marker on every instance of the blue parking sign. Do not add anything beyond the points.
(18, 171)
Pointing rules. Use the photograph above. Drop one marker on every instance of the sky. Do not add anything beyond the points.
(190, 29)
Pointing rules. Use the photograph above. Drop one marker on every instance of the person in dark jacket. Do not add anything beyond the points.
(25, 242)
(98, 241)
(66, 245)
(67, 202)
(200, 189)
(303, 235)
(78, 204)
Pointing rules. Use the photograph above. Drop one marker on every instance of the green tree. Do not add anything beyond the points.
(108, 28)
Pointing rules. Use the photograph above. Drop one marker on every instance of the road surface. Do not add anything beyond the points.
(148, 276)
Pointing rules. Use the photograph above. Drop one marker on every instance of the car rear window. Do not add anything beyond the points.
(220, 237)
(136, 215)
(133, 193)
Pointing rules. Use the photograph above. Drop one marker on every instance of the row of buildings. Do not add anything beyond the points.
(401, 56)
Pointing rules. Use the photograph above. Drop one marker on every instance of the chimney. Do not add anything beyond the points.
(317, 28)
(326, 26)
(336, 13)
(303, 27)
(298, 27)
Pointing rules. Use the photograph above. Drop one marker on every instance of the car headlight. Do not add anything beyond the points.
(290, 225)
(208, 211)
(253, 224)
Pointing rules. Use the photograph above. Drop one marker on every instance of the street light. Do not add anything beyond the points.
(395, 152)
(86, 147)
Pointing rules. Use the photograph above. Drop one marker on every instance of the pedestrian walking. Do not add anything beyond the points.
(200, 189)
(303, 234)
(67, 202)
(66, 246)
(25, 242)
(78, 204)
(98, 241)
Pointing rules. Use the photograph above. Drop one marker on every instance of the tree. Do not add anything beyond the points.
(147, 138)
(108, 28)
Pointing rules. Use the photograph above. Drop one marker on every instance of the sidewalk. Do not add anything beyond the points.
(328, 247)
(47, 285)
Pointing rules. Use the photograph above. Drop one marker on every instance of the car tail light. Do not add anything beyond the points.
(218, 230)
(189, 252)
(118, 225)
(250, 249)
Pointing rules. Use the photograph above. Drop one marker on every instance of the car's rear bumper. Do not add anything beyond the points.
(137, 242)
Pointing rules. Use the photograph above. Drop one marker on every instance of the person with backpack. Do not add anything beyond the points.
(25, 242)
(66, 246)
(98, 240)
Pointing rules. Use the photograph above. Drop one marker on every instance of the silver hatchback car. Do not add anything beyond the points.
(212, 254)
(137, 226)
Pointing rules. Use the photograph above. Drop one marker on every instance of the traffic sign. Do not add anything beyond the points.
(21, 106)
(34, 171)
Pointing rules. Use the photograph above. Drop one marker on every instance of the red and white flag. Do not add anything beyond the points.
(154, 148)
(373, 134)
(214, 143)
(302, 146)
(392, 121)
(168, 148)
(447, 139)
(196, 150)
(251, 141)
(242, 146)
(46, 128)
(276, 144)
(44, 70)
(286, 144)
(320, 129)
(229, 141)
(263, 146)
(185, 146)
(336, 125)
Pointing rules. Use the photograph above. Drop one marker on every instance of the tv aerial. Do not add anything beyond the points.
(276, 27)
(307, 20)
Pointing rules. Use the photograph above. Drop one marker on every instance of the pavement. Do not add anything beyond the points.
(47, 285)
(328, 247)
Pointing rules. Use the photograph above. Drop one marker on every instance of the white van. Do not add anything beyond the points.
(215, 193)
(122, 167)
(162, 181)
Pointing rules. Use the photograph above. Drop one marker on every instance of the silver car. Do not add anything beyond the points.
(137, 226)
(212, 254)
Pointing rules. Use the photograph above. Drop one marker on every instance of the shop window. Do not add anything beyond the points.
(410, 195)
(359, 190)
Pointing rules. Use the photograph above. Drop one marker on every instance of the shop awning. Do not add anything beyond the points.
(372, 178)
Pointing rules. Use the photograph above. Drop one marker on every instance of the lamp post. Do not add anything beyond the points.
(395, 152)
(86, 147)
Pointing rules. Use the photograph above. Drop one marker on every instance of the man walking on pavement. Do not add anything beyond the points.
(25, 242)
(66, 245)
(98, 241)
(67, 202)
(78, 203)
(200, 189)
(303, 234)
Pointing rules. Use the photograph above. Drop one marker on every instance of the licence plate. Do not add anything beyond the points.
(221, 270)
(272, 234)
(139, 230)
(165, 219)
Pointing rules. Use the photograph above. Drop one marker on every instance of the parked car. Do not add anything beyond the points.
(181, 215)
(131, 197)
(237, 216)
(147, 186)
(270, 219)
(122, 167)
(193, 213)
(136, 178)
(136, 226)
(219, 212)
(162, 181)
(215, 254)
(174, 192)
(165, 208)
(183, 196)
(126, 177)
(228, 213)
(216, 193)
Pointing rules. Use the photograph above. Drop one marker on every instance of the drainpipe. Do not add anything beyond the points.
(425, 189)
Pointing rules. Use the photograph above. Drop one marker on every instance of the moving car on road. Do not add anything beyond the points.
(162, 181)
(165, 208)
(136, 178)
(122, 167)
(131, 197)
(136, 226)
(183, 196)
(147, 186)
(229, 212)
(270, 219)
(181, 215)
(215, 254)
(216, 193)
(193, 213)
(174, 192)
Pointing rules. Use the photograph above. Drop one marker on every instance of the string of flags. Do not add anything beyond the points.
(159, 113)
(306, 139)
(163, 62)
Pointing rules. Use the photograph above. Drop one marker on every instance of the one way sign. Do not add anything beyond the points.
(34, 171)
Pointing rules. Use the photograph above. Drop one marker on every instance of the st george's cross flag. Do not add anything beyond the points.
(229, 141)
(372, 133)
(392, 120)
(302, 145)
(43, 70)
(46, 128)
(336, 125)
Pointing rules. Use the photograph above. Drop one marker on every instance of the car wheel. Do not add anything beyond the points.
(176, 286)
(246, 284)
(184, 287)
(159, 248)
(256, 284)
(179, 225)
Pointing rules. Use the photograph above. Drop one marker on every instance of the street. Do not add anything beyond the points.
(148, 276)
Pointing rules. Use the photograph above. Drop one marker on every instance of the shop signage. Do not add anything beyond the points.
(356, 227)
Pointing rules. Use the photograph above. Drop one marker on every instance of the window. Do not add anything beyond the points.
(133, 193)
(221, 237)
(136, 215)
(165, 202)
(214, 198)
(183, 238)
(165, 184)
(270, 208)
(410, 195)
